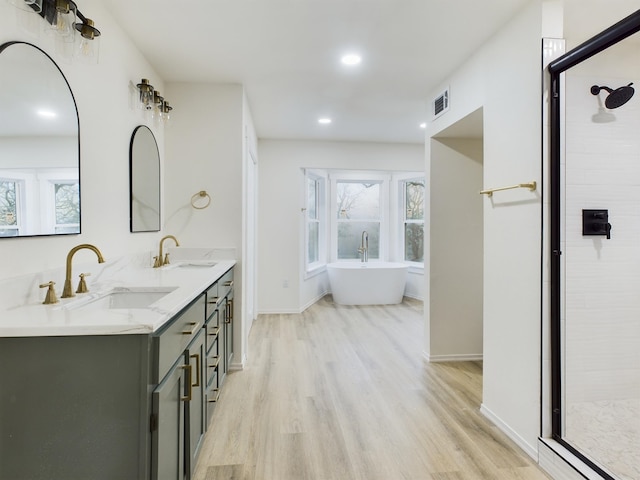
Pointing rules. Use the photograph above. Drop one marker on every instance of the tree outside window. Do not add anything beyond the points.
(358, 210)
(9, 221)
(67, 207)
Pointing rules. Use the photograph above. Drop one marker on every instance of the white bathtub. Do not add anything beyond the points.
(368, 283)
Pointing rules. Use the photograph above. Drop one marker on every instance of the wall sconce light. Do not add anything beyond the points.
(88, 42)
(150, 100)
(61, 17)
(146, 94)
(166, 111)
(158, 101)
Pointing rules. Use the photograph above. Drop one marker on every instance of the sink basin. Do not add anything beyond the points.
(192, 264)
(122, 297)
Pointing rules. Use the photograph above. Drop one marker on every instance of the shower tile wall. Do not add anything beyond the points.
(602, 282)
(602, 277)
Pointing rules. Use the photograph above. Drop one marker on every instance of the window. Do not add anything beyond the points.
(358, 210)
(413, 219)
(388, 206)
(315, 220)
(9, 216)
(67, 207)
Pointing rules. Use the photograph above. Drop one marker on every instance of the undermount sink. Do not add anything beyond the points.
(122, 297)
(192, 264)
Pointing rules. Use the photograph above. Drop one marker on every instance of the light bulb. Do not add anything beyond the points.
(64, 19)
(88, 42)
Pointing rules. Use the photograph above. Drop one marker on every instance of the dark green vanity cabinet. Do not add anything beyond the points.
(74, 407)
(113, 406)
(177, 419)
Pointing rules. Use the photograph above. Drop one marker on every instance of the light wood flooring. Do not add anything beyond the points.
(343, 393)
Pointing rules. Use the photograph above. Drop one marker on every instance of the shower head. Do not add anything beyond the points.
(617, 97)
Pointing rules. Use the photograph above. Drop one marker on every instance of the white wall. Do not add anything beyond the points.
(280, 216)
(104, 94)
(504, 78)
(455, 317)
(206, 148)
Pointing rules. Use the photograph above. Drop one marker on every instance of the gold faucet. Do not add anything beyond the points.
(159, 261)
(67, 290)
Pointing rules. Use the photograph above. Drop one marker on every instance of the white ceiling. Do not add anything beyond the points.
(286, 53)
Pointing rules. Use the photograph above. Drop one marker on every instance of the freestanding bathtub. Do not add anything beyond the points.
(367, 283)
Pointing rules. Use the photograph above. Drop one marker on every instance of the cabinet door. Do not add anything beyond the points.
(168, 436)
(195, 411)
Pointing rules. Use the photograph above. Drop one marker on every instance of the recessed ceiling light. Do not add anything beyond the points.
(351, 59)
(423, 125)
(47, 113)
(324, 121)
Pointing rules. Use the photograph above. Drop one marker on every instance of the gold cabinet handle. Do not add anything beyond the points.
(214, 332)
(195, 326)
(189, 375)
(198, 369)
(215, 399)
(229, 315)
(228, 283)
(213, 301)
(216, 360)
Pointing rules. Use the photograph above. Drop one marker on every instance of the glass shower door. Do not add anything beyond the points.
(600, 261)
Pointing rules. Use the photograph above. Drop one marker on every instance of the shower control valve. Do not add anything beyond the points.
(596, 222)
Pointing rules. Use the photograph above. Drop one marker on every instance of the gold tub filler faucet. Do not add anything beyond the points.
(159, 260)
(82, 286)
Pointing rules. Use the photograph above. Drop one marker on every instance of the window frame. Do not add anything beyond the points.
(48, 179)
(402, 214)
(320, 179)
(364, 176)
(19, 186)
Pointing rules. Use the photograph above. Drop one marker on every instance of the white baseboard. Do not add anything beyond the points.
(235, 366)
(529, 449)
(315, 300)
(278, 312)
(462, 357)
(414, 296)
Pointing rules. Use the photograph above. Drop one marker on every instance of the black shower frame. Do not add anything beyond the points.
(609, 37)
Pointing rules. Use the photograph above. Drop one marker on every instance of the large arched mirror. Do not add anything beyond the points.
(144, 161)
(39, 145)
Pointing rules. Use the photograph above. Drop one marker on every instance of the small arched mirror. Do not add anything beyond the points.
(144, 165)
(39, 145)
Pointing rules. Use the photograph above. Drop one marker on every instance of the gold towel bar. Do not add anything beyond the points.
(531, 186)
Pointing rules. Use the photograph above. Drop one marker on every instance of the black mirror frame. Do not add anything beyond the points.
(131, 181)
(3, 47)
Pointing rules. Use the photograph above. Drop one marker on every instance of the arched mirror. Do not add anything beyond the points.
(39, 145)
(144, 179)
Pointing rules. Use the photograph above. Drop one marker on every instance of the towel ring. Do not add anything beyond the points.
(200, 194)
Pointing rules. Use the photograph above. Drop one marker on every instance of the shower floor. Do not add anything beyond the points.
(608, 432)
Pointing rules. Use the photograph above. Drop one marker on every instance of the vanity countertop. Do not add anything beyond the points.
(31, 318)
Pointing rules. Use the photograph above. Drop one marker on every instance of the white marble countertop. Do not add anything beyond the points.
(26, 316)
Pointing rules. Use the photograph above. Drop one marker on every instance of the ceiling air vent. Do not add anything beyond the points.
(441, 104)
